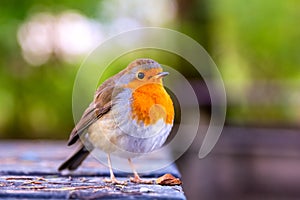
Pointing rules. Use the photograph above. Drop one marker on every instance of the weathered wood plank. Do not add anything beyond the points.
(80, 187)
(29, 170)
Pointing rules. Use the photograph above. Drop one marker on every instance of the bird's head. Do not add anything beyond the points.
(141, 72)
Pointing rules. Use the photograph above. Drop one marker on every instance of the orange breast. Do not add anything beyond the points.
(151, 103)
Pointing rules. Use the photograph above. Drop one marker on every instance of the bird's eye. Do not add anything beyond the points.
(140, 75)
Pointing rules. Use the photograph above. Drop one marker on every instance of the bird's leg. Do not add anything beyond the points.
(112, 176)
(136, 178)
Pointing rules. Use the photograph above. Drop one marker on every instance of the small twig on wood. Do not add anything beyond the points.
(19, 178)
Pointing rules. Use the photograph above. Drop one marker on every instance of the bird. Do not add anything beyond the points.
(131, 114)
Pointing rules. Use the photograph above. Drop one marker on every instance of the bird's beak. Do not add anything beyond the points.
(161, 75)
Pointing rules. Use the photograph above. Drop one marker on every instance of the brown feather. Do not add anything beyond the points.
(100, 106)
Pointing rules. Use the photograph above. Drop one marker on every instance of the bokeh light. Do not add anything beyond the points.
(67, 36)
(35, 37)
(71, 35)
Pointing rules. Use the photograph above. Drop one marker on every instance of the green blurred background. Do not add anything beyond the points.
(255, 44)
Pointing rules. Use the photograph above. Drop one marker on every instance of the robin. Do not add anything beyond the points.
(131, 114)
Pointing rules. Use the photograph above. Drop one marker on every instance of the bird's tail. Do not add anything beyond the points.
(75, 160)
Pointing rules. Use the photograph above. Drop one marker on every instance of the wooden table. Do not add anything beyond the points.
(28, 169)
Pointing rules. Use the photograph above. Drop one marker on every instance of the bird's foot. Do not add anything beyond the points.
(137, 179)
(114, 181)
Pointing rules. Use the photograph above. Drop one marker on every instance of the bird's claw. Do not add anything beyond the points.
(114, 181)
(141, 181)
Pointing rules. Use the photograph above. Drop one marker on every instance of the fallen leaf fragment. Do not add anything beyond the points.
(168, 179)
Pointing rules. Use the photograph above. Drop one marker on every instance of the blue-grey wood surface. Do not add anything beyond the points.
(28, 169)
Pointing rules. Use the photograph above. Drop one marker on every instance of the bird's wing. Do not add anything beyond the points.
(100, 106)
